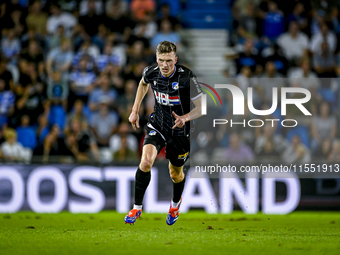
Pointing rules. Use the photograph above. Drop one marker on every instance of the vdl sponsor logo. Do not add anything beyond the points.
(238, 105)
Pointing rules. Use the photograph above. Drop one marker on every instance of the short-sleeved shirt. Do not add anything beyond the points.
(60, 58)
(104, 124)
(324, 126)
(97, 94)
(174, 93)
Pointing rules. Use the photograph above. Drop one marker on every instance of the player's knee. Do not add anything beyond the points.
(176, 177)
(146, 164)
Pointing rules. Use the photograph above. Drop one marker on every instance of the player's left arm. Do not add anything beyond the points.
(195, 113)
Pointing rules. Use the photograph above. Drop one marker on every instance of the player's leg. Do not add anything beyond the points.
(178, 179)
(153, 143)
(177, 152)
(142, 180)
(143, 174)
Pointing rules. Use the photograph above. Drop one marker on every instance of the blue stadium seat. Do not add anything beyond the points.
(212, 14)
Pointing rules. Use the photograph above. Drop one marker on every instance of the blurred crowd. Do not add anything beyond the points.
(282, 43)
(69, 71)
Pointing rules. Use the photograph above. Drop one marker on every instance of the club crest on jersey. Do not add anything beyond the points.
(175, 85)
(165, 99)
(153, 132)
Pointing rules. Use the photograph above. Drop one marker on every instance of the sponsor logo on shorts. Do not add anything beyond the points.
(183, 156)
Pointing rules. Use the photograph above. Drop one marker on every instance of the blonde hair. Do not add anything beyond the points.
(10, 133)
(166, 47)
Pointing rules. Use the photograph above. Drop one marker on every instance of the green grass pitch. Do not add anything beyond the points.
(194, 233)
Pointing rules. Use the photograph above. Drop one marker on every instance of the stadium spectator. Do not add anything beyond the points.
(108, 57)
(60, 59)
(54, 41)
(82, 81)
(325, 150)
(146, 28)
(104, 123)
(101, 37)
(140, 8)
(124, 154)
(320, 12)
(325, 34)
(79, 36)
(90, 20)
(294, 43)
(24, 81)
(81, 143)
(243, 79)
(120, 5)
(17, 18)
(165, 34)
(268, 151)
(104, 90)
(10, 46)
(334, 155)
(118, 23)
(296, 152)
(34, 56)
(32, 100)
(324, 62)
(57, 88)
(334, 19)
(87, 6)
(266, 82)
(54, 144)
(275, 55)
(7, 100)
(57, 114)
(41, 133)
(273, 22)
(26, 133)
(59, 18)
(297, 15)
(237, 151)
(136, 54)
(6, 75)
(126, 100)
(77, 112)
(248, 57)
(123, 131)
(165, 14)
(13, 150)
(268, 133)
(36, 19)
(323, 127)
(88, 51)
(303, 77)
(248, 24)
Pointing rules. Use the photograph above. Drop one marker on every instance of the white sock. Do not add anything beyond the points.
(138, 207)
(173, 204)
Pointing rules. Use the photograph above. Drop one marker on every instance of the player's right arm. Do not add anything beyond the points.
(141, 92)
